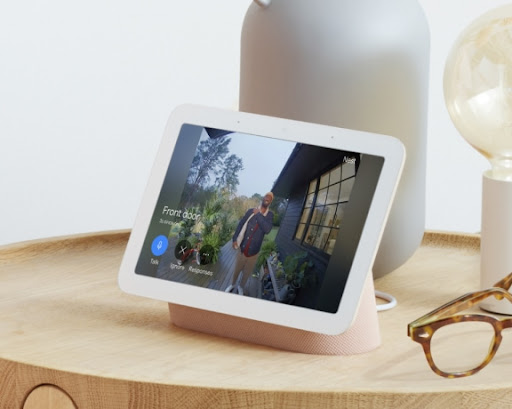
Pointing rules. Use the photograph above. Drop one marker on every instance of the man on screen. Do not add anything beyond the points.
(248, 238)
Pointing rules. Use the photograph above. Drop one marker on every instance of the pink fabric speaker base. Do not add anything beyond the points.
(362, 336)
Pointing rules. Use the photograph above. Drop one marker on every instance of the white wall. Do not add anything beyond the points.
(86, 88)
(454, 170)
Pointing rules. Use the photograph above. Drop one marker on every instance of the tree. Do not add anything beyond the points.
(211, 163)
(209, 153)
(278, 207)
(240, 204)
(257, 196)
(228, 175)
(218, 222)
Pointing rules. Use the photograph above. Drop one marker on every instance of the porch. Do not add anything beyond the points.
(216, 276)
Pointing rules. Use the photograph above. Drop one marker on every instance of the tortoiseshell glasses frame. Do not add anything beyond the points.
(422, 329)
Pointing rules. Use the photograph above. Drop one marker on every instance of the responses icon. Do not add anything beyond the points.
(206, 254)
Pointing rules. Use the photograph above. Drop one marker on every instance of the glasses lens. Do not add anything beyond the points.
(461, 346)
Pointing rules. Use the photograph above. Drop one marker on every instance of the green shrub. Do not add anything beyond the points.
(213, 239)
(297, 269)
(267, 248)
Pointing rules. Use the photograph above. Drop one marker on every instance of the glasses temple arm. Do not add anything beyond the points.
(505, 283)
(460, 304)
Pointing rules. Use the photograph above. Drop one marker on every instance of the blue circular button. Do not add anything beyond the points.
(159, 245)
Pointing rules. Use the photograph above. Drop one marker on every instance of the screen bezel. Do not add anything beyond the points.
(252, 308)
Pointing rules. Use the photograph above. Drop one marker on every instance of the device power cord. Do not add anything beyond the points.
(391, 301)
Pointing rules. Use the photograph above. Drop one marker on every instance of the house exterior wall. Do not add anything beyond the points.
(287, 245)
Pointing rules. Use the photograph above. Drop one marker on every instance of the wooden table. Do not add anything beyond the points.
(70, 338)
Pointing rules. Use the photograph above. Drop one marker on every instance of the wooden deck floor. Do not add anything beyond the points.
(216, 276)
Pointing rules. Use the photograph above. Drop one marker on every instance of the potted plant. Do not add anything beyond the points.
(268, 249)
(213, 240)
(297, 268)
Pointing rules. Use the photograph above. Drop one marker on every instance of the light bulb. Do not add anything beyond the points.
(478, 88)
(478, 95)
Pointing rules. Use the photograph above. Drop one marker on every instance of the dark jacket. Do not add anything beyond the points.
(257, 227)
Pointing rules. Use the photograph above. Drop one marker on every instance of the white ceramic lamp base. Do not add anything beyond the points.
(496, 238)
(360, 65)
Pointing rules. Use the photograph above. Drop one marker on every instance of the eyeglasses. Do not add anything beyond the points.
(461, 345)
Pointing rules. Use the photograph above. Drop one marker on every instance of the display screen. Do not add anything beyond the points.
(260, 217)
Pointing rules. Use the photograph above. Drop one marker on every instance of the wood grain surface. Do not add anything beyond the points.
(65, 324)
(48, 397)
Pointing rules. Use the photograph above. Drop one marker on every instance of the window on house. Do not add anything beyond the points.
(326, 199)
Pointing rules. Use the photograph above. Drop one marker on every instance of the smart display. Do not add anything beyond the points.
(262, 218)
